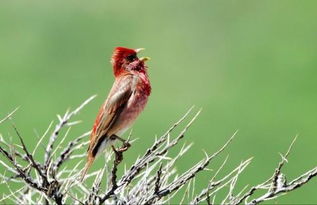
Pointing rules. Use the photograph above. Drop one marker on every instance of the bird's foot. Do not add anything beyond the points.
(119, 152)
(125, 146)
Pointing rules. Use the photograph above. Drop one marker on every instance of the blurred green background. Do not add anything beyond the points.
(251, 66)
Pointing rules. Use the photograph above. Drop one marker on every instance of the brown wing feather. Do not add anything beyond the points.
(110, 111)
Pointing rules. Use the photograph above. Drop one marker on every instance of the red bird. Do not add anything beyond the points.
(126, 100)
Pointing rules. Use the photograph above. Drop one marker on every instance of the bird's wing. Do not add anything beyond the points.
(110, 111)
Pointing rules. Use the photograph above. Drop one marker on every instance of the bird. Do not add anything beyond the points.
(126, 100)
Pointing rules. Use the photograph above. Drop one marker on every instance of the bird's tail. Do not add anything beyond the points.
(87, 166)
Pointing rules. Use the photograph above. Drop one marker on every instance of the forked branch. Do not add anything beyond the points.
(151, 179)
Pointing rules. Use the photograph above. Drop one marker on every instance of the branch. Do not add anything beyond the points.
(34, 164)
(151, 179)
(66, 153)
(182, 180)
(277, 184)
(62, 122)
(154, 152)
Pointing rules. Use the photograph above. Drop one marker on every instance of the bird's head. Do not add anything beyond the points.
(126, 59)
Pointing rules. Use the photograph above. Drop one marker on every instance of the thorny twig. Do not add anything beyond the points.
(277, 184)
(62, 122)
(50, 188)
(33, 163)
(151, 179)
(117, 160)
(9, 115)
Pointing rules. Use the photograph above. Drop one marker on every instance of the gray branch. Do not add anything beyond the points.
(151, 179)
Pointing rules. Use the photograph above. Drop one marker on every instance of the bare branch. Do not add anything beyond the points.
(152, 178)
(9, 115)
(153, 153)
(66, 153)
(182, 180)
(30, 157)
(277, 184)
(63, 121)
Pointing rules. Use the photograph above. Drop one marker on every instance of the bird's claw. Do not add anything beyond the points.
(125, 146)
(118, 152)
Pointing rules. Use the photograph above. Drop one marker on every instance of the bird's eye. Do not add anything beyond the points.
(131, 57)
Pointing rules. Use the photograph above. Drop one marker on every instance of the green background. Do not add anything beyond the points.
(251, 66)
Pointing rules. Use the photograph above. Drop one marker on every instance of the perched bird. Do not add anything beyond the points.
(127, 98)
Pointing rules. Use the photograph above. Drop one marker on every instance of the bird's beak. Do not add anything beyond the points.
(145, 59)
(142, 58)
(139, 49)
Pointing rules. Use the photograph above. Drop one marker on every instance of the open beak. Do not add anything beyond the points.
(142, 58)
(145, 59)
(139, 49)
